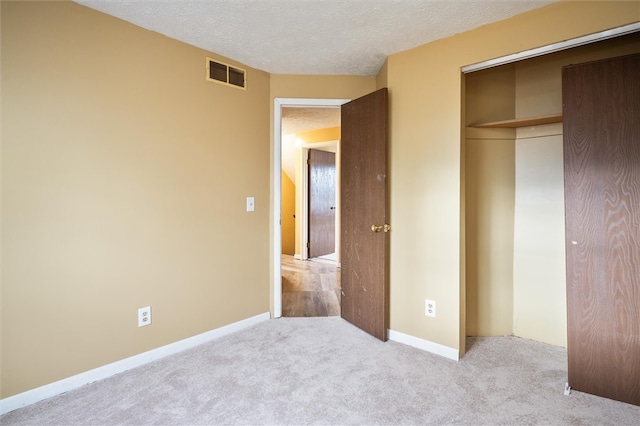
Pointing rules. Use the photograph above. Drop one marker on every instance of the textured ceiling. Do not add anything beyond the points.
(326, 37)
(296, 120)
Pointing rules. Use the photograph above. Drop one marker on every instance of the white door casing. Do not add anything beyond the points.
(276, 170)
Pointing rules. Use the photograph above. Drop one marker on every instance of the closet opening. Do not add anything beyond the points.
(514, 192)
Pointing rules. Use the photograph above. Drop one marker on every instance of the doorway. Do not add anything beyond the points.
(312, 105)
(310, 274)
(364, 279)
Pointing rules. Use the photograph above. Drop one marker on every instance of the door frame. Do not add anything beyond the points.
(276, 190)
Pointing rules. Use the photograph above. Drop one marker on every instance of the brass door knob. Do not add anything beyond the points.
(378, 228)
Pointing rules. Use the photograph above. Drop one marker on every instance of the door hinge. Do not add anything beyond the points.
(308, 160)
(308, 244)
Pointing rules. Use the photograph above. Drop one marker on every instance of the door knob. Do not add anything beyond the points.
(378, 228)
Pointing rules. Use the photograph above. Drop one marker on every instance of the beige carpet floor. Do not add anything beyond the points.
(325, 371)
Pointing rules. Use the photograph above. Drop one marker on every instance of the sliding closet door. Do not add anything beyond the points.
(602, 195)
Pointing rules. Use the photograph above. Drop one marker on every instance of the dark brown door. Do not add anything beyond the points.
(363, 199)
(602, 196)
(322, 203)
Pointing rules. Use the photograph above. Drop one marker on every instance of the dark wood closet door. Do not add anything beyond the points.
(602, 196)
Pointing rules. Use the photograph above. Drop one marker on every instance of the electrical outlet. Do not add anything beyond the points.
(144, 316)
(251, 204)
(430, 308)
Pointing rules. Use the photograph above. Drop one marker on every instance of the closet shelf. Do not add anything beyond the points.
(520, 122)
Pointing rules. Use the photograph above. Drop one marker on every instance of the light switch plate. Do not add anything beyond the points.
(250, 204)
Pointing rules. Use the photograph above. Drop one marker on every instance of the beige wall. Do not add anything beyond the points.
(1, 211)
(124, 180)
(320, 135)
(288, 212)
(490, 198)
(321, 86)
(382, 77)
(539, 277)
(426, 156)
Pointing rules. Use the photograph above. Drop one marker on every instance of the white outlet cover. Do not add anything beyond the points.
(144, 316)
(430, 308)
(250, 204)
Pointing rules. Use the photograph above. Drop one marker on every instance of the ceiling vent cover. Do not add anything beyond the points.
(229, 75)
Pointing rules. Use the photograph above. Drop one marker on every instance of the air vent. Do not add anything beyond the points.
(220, 72)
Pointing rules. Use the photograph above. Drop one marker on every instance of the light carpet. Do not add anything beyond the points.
(326, 371)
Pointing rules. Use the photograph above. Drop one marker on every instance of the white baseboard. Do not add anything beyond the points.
(425, 345)
(56, 388)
